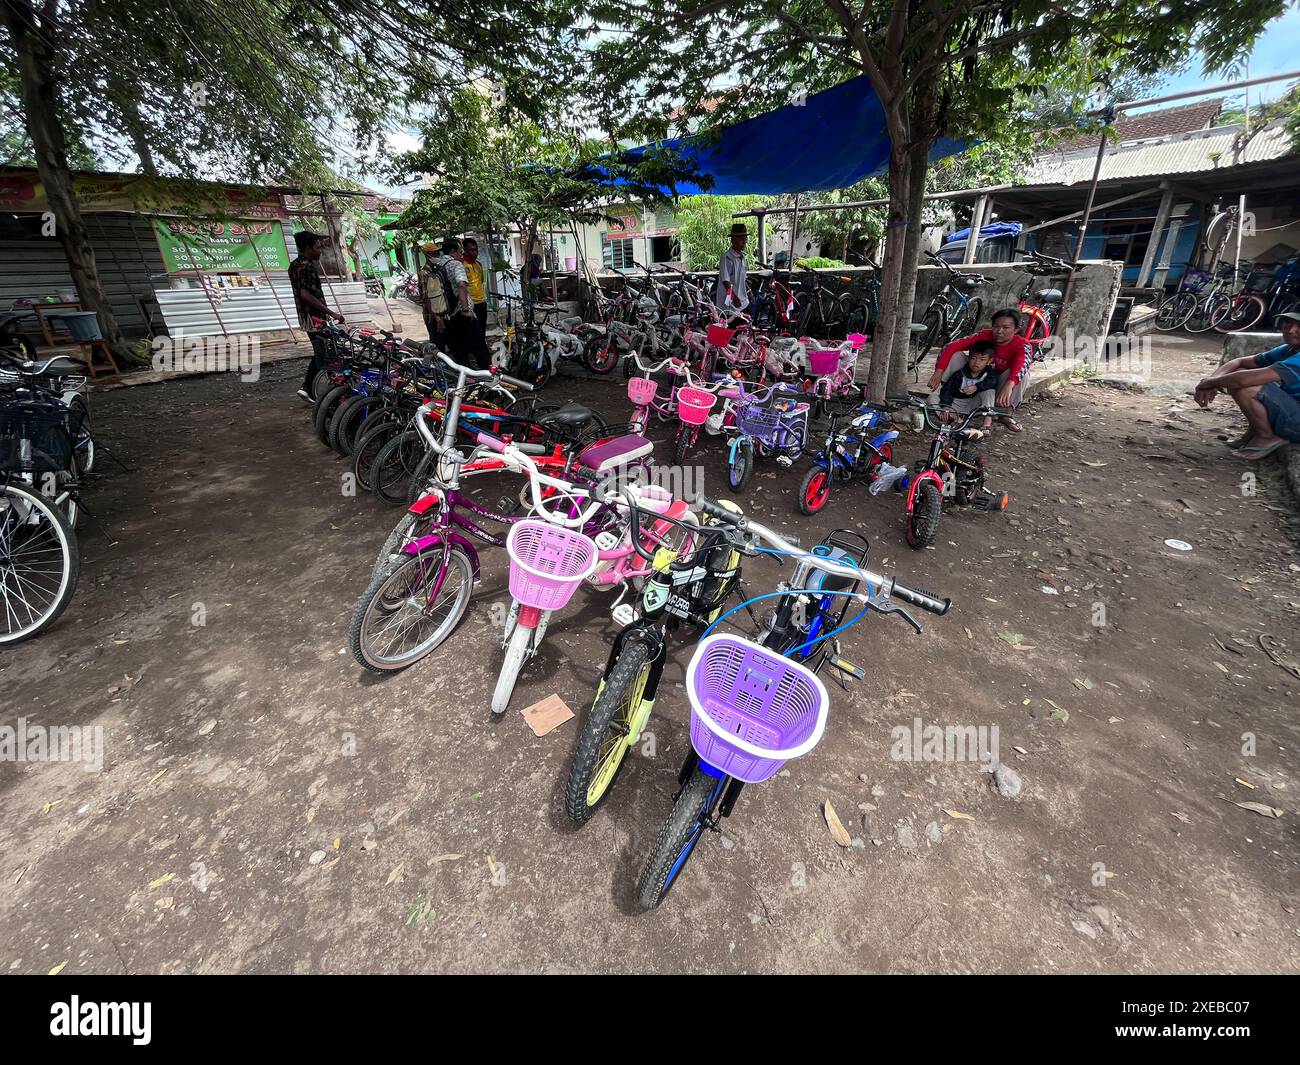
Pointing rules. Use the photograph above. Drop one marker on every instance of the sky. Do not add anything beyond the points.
(1275, 52)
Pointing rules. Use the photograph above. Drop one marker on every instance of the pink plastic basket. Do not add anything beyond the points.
(719, 335)
(824, 361)
(641, 390)
(694, 404)
(752, 710)
(856, 339)
(547, 563)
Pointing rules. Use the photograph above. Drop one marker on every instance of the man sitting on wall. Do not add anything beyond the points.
(1267, 389)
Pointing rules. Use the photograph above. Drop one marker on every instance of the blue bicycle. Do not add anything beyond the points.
(952, 313)
(851, 453)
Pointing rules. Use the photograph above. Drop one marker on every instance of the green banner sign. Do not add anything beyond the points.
(201, 244)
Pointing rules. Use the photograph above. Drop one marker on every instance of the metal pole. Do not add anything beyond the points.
(762, 236)
(1207, 90)
(976, 224)
(271, 285)
(1083, 230)
(203, 285)
(794, 231)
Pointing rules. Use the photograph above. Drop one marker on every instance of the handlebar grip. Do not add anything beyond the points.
(722, 514)
(488, 440)
(925, 600)
(515, 382)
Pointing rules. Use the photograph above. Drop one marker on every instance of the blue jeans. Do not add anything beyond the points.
(1283, 411)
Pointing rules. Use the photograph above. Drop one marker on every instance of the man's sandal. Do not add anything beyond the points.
(1255, 453)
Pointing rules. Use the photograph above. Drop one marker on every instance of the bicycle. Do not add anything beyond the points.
(684, 589)
(756, 704)
(766, 422)
(951, 312)
(848, 454)
(1040, 319)
(821, 313)
(948, 472)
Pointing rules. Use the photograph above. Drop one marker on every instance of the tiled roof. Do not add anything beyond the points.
(1162, 123)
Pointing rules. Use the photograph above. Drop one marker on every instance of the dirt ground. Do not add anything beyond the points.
(265, 806)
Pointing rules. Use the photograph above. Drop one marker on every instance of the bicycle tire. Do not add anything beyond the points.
(394, 466)
(347, 420)
(12, 536)
(1175, 311)
(369, 444)
(325, 410)
(923, 522)
(934, 323)
(740, 466)
(511, 666)
(814, 490)
(678, 837)
(380, 601)
(1241, 315)
(1202, 318)
(617, 701)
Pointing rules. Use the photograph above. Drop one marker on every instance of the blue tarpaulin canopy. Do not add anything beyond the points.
(988, 232)
(830, 140)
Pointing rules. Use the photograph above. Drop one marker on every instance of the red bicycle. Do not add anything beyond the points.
(1040, 318)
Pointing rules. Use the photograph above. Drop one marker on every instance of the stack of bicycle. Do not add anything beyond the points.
(46, 450)
(589, 527)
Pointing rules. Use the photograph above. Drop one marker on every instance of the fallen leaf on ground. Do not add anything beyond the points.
(445, 858)
(50, 806)
(1244, 783)
(957, 815)
(57, 969)
(838, 832)
(156, 777)
(396, 877)
(1258, 808)
(165, 878)
(338, 842)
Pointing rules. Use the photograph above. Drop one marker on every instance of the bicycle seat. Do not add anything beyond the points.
(1049, 295)
(569, 416)
(616, 452)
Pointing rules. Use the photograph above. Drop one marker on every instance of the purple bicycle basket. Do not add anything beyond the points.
(752, 710)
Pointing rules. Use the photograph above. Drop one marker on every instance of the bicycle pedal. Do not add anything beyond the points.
(848, 668)
(784, 461)
(624, 614)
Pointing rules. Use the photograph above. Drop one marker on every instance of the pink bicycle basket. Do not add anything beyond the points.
(547, 563)
(856, 339)
(825, 361)
(719, 335)
(752, 710)
(641, 390)
(694, 404)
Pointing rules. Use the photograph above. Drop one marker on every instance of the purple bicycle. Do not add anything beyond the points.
(770, 421)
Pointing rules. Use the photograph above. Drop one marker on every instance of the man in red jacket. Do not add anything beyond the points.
(1010, 360)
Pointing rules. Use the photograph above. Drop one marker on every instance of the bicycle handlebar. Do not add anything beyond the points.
(888, 585)
(518, 460)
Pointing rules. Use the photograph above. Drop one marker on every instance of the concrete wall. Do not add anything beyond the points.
(1239, 345)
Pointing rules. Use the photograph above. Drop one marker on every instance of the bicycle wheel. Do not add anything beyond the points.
(326, 407)
(1202, 318)
(1175, 311)
(932, 337)
(395, 466)
(369, 444)
(394, 625)
(319, 384)
(602, 743)
(347, 421)
(41, 563)
(516, 651)
(740, 465)
(83, 454)
(970, 318)
(687, 434)
(601, 354)
(1242, 314)
(814, 490)
(677, 839)
(923, 523)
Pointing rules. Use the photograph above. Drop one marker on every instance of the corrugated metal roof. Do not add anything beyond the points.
(1184, 153)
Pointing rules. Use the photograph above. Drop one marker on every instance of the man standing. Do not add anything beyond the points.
(309, 299)
(1267, 389)
(732, 293)
(478, 297)
(459, 324)
(423, 277)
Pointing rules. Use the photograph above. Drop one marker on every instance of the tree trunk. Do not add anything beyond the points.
(36, 86)
(888, 322)
(918, 164)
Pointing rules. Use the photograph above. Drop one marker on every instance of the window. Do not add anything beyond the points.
(664, 250)
(618, 254)
(1126, 242)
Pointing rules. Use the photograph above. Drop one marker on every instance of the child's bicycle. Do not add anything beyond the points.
(832, 372)
(690, 403)
(770, 421)
(852, 452)
(757, 704)
(950, 472)
(684, 588)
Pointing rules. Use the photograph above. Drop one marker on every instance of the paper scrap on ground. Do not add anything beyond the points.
(548, 715)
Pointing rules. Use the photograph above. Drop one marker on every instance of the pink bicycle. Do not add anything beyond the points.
(832, 372)
(689, 403)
